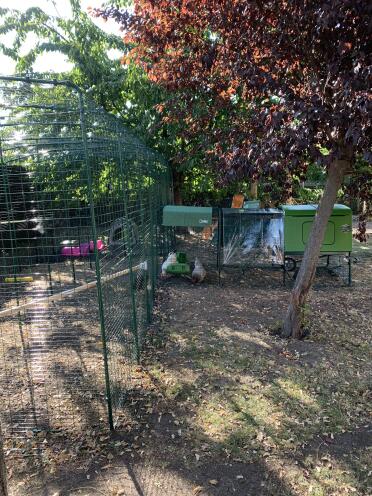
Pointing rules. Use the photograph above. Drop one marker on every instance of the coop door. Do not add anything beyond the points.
(329, 237)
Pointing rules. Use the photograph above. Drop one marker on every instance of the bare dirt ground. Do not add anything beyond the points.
(222, 406)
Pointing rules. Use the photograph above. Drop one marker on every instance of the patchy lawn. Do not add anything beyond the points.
(222, 406)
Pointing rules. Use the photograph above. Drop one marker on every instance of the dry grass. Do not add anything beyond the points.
(221, 406)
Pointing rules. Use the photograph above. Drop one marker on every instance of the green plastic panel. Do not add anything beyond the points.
(183, 216)
(298, 222)
(329, 237)
(310, 210)
(251, 204)
(178, 268)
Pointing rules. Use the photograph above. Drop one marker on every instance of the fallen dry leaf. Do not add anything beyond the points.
(260, 436)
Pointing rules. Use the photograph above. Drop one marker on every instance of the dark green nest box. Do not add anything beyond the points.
(182, 216)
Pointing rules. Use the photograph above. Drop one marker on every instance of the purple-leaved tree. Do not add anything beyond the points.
(273, 85)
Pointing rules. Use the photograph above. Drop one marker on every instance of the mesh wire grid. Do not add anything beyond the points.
(255, 238)
(198, 243)
(80, 240)
(251, 237)
(333, 269)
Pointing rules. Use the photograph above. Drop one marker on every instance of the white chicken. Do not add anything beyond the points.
(171, 259)
(199, 272)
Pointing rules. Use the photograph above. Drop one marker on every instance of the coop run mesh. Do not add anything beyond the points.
(251, 237)
(80, 247)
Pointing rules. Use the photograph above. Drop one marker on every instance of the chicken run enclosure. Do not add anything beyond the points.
(80, 250)
(255, 239)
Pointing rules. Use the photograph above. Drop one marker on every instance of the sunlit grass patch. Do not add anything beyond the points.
(250, 397)
(294, 390)
(321, 475)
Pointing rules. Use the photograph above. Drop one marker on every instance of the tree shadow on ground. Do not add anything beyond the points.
(201, 413)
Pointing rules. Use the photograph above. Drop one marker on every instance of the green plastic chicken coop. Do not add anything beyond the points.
(298, 220)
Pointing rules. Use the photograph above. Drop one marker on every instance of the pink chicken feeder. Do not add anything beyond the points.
(82, 250)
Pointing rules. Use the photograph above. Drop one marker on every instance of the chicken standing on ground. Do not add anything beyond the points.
(171, 259)
(199, 272)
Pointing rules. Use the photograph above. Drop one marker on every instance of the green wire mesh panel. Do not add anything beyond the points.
(251, 237)
(80, 244)
(199, 245)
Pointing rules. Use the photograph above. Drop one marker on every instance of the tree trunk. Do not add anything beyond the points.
(3, 484)
(293, 321)
(254, 190)
(177, 186)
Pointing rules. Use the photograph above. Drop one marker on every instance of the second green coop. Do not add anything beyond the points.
(336, 249)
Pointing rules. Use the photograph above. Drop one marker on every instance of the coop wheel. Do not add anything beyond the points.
(290, 264)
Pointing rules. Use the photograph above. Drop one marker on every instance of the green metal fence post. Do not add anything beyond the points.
(97, 262)
(146, 245)
(150, 264)
(219, 244)
(154, 202)
(10, 217)
(128, 242)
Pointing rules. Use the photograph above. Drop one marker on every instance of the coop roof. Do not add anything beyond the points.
(309, 210)
(184, 216)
